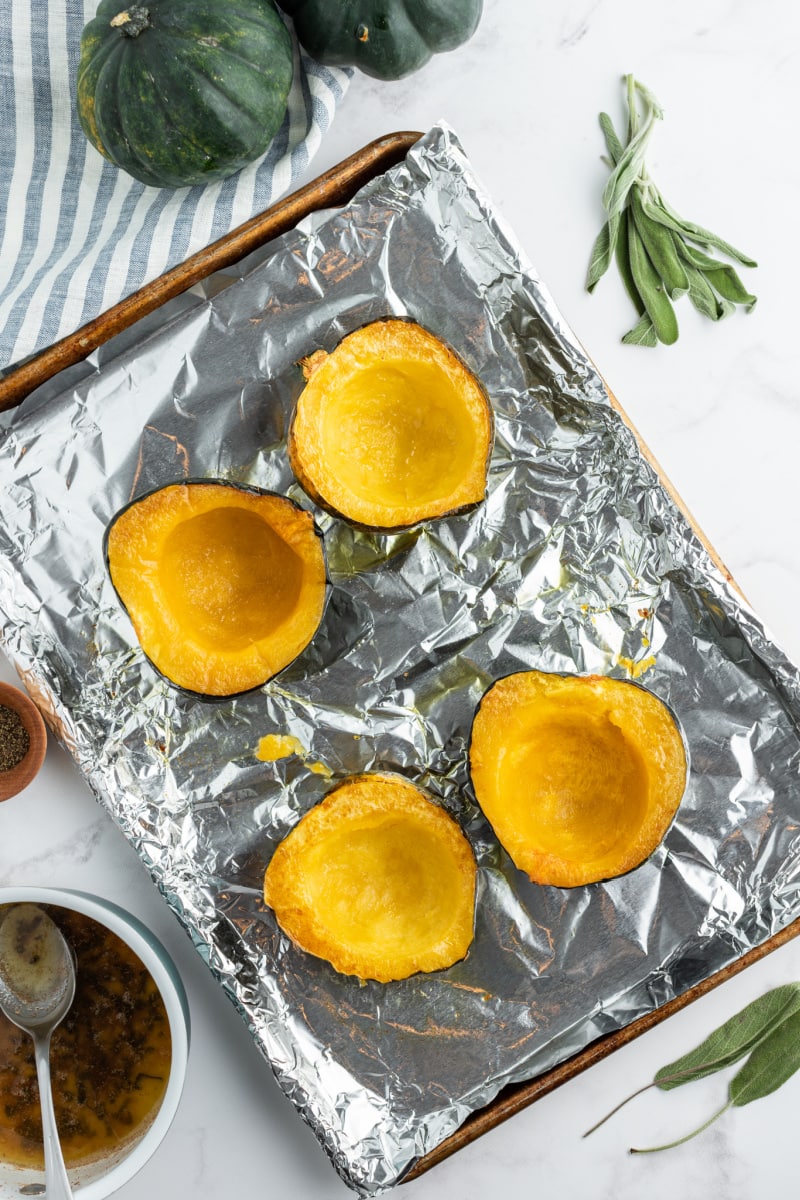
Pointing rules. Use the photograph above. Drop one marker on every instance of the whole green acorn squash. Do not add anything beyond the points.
(178, 92)
(384, 38)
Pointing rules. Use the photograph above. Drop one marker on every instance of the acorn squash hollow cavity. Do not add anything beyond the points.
(391, 429)
(579, 776)
(377, 879)
(225, 585)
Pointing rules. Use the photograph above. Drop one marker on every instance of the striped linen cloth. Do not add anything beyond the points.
(76, 233)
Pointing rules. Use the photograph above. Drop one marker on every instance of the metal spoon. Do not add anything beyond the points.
(37, 987)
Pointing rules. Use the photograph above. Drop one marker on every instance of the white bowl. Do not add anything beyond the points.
(100, 1179)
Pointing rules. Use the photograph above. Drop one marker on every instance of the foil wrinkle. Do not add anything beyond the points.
(577, 561)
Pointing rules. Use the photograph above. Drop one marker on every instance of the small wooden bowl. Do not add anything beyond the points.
(16, 778)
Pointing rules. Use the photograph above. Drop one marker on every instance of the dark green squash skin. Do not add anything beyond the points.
(384, 38)
(194, 91)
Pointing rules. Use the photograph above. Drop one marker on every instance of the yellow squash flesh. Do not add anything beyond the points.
(377, 880)
(391, 429)
(579, 776)
(224, 585)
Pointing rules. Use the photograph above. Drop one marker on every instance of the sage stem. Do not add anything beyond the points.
(686, 1138)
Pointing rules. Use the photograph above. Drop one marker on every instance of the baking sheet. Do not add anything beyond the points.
(577, 561)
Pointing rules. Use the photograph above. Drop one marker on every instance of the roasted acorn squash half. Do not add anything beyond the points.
(224, 584)
(579, 776)
(376, 879)
(391, 429)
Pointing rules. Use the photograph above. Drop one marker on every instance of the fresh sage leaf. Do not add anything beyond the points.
(722, 276)
(621, 250)
(661, 249)
(615, 147)
(624, 268)
(658, 210)
(727, 283)
(773, 1059)
(629, 166)
(642, 334)
(767, 1029)
(703, 296)
(651, 289)
(704, 262)
(602, 252)
(739, 1035)
(659, 255)
(601, 257)
(654, 207)
(706, 238)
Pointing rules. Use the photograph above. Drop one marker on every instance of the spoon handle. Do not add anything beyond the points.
(55, 1172)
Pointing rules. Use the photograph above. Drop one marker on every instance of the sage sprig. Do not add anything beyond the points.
(659, 255)
(766, 1032)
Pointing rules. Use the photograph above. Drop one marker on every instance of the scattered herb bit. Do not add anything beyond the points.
(659, 255)
(767, 1030)
(14, 739)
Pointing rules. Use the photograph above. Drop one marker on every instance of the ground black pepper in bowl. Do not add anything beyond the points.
(14, 738)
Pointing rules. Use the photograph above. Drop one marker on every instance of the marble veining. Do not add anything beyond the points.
(720, 412)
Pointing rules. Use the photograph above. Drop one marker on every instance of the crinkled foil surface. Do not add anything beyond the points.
(577, 561)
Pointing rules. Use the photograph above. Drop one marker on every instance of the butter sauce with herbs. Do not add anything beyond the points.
(110, 1057)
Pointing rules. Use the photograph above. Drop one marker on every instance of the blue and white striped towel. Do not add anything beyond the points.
(76, 233)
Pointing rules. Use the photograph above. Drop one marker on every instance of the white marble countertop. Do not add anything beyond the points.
(720, 412)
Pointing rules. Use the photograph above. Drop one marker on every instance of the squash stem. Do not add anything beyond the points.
(131, 21)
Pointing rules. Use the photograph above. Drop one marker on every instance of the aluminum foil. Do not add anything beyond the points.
(577, 561)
